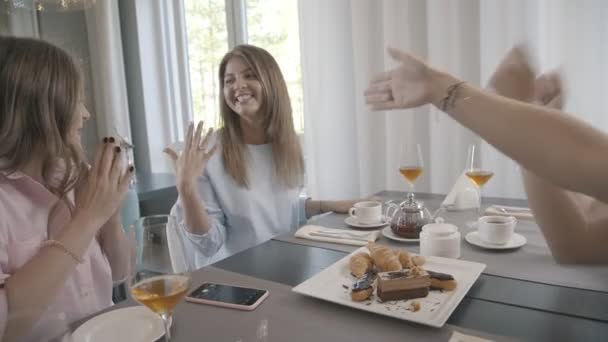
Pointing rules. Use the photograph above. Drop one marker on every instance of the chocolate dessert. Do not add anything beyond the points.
(363, 288)
(442, 281)
(403, 285)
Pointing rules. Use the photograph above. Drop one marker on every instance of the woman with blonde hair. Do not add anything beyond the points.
(61, 242)
(249, 191)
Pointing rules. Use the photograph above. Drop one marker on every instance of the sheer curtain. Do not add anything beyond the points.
(108, 70)
(351, 151)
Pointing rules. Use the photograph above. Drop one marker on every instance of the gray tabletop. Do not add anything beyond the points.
(524, 310)
(495, 305)
(496, 285)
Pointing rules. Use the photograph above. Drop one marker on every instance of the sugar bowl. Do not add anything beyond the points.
(440, 239)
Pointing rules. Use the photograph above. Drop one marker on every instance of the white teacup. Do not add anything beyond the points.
(496, 230)
(368, 212)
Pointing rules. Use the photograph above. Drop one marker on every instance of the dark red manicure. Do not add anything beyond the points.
(111, 139)
(105, 140)
(131, 168)
(117, 149)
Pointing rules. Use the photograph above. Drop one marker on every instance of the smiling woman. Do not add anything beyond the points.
(251, 191)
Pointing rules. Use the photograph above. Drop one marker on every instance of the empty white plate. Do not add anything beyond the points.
(133, 324)
(517, 241)
(388, 233)
(351, 221)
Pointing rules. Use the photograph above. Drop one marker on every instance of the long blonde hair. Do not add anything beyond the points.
(277, 121)
(40, 89)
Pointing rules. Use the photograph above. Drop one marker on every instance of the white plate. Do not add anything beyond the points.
(435, 310)
(388, 233)
(517, 241)
(133, 324)
(351, 221)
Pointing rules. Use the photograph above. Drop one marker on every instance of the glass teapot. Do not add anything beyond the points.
(407, 218)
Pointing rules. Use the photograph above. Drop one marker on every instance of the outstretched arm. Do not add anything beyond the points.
(573, 224)
(562, 149)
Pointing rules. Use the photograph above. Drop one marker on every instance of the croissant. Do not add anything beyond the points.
(384, 258)
(418, 260)
(360, 263)
(404, 258)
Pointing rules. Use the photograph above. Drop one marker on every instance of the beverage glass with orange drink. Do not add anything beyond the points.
(155, 280)
(411, 164)
(476, 171)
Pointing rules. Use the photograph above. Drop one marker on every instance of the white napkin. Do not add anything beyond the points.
(460, 337)
(517, 212)
(341, 235)
(463, 195)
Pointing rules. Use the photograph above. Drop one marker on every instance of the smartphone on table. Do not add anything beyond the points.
(229, 296)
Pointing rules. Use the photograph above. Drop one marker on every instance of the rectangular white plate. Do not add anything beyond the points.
(435, 310)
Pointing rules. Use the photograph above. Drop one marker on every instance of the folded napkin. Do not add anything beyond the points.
(463, 195)
(341, 236)
(517, 212)
(460, 337)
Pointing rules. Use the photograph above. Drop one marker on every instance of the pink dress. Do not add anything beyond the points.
(28, 214)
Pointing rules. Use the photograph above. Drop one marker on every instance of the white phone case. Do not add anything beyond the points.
(230, 305)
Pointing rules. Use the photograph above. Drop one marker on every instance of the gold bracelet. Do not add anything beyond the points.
(63, 248)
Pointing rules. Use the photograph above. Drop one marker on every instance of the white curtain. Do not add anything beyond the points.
(107, 69)
(351, 151)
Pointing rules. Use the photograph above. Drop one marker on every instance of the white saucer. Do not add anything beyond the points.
(133, 324)
(516, 241)
(388, 233)
(351, 221)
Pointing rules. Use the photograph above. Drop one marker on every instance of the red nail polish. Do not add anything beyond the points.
(117, 149)
(105, 140)
(111, 139)
(131, 168)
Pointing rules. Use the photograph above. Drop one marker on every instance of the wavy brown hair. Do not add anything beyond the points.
(40, 90)
(276, 120)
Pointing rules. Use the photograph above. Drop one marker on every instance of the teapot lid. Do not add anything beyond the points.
(411, 205)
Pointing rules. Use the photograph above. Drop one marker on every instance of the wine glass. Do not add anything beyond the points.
(157, 280)
(477, 172)
(411, 164)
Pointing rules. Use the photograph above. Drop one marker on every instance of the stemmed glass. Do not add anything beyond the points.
(157, 280)
(411, 164)
(477, 171)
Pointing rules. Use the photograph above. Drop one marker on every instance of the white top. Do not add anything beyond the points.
(240, 218)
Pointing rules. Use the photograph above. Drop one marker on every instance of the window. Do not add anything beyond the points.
(273, 25)
(207, 43)
(270, 24)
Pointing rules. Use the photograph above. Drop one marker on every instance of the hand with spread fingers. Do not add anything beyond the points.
(548, 90)
(514, 77)
(406, 86)
(190, 163)
(103, 188)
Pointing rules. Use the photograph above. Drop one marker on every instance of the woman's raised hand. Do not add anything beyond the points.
(105, 184)
(190, 163)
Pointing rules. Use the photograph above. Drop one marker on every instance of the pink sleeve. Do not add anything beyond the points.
(3, 311)
(3, 275)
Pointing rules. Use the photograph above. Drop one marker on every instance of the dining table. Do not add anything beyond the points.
(522, 294)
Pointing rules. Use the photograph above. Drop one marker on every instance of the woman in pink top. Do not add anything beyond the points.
(61, 241)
